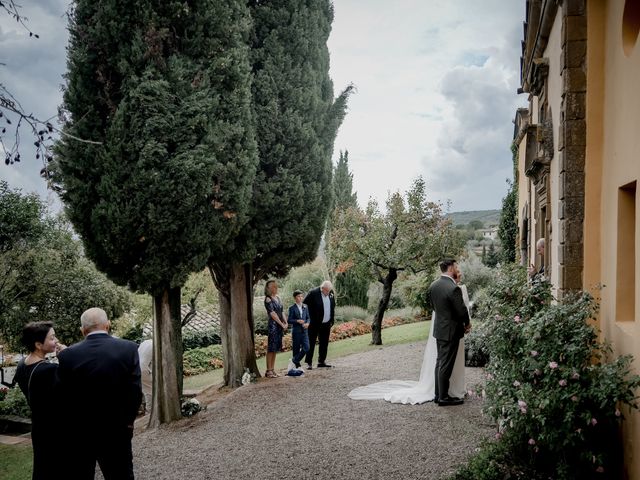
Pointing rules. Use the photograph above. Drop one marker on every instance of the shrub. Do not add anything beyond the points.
(201, 360)
(200, 338)
(15, 403)
(475, 274)
(351, 289)
(351, 312)
(476, 349)
(556, 395)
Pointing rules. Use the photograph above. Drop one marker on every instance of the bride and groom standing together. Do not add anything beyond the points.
(442, 374)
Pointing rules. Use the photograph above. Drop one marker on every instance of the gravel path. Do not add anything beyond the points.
(320, 432)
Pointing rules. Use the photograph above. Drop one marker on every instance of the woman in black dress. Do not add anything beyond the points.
(277, 325)
(36, 377)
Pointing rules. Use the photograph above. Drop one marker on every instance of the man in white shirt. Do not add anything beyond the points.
(322, 304)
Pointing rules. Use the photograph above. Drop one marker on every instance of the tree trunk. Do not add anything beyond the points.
(167, 358)
(376, 326)
(236, 322)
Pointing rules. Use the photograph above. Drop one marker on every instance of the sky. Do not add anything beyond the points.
(435, 93)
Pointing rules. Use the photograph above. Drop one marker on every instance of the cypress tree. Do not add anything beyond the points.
(343, 194)
(164, 88)
(297, 119)
(351, 288)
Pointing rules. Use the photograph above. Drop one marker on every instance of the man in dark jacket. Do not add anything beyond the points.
(322, 304)
(451, 323)
(100, 383)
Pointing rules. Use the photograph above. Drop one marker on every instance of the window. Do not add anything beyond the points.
(626, 253)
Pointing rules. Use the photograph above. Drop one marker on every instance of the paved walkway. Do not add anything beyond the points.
(307, 428)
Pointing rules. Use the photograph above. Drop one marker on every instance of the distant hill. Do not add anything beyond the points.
(487, 217)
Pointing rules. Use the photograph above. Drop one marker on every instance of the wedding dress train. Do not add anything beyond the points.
(421, 391)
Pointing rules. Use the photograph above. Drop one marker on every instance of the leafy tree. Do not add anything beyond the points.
(475, 225)
(411, 235)
(44, 275)
(492, 257)
(164, 87)
(296, 119)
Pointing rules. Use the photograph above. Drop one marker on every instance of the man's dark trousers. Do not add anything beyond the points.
(320, 332)
(447, 352)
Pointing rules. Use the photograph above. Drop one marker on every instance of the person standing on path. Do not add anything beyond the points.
(145, 352)
(322, 304)
(100, 383)
(277, 325)
(299, 319)
(452, 322)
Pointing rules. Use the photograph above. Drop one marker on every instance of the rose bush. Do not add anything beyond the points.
(556, 393)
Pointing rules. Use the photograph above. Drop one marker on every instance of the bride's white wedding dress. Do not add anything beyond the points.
(412, 392)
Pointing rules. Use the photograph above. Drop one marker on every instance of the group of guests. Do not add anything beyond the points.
(311, 318)
(84, 406)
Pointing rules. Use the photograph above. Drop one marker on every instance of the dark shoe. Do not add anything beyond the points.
(309, 367)
(446, 402)
(324, 365)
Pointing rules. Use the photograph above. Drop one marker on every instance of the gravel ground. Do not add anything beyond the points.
(307, 428)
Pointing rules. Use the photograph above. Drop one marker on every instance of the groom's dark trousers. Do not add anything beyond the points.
(445, 361)
(451, 319)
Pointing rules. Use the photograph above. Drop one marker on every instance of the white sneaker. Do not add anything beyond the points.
(309, 367)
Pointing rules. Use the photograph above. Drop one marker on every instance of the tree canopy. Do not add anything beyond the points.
(411, 235)
(44, 274)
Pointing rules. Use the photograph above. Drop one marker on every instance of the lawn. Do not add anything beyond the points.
(15, 462)
(411, 332)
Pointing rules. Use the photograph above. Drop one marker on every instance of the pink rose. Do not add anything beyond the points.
(534, 353)
(574, 398)
(575, 375)
(617, 413)
(562, 383)
(594, 422)
(516, 383)
(532, 441)
(600, 469)
(517, 319)
(553, 365)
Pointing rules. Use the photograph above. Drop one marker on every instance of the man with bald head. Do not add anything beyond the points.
(100, 383)
(322, 305)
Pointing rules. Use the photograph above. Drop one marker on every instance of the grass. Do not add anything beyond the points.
(15, 462)
(411, 332)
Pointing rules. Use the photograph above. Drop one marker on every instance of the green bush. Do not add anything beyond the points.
(201, 360)
(476, 349)
(351, 289)
(351, 312)
(475, 274)
(201, 338)
(15, 403)
(554, 391)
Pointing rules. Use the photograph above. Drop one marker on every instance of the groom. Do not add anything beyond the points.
(452, 322)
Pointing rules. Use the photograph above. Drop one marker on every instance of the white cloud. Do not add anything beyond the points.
(436, 96)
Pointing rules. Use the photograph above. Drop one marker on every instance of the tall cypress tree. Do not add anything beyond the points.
(164, 87)
(351, 288)
(343, 194)
(297, 119)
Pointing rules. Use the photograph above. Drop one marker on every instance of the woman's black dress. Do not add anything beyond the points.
(38, 382)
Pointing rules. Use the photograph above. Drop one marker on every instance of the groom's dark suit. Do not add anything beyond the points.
(452, 317)
(100, 383)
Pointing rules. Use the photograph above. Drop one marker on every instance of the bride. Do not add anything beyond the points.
(412, 392)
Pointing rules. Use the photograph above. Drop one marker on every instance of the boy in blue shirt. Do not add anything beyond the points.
(299, 319)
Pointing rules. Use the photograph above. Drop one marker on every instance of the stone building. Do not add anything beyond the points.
(578, 146)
